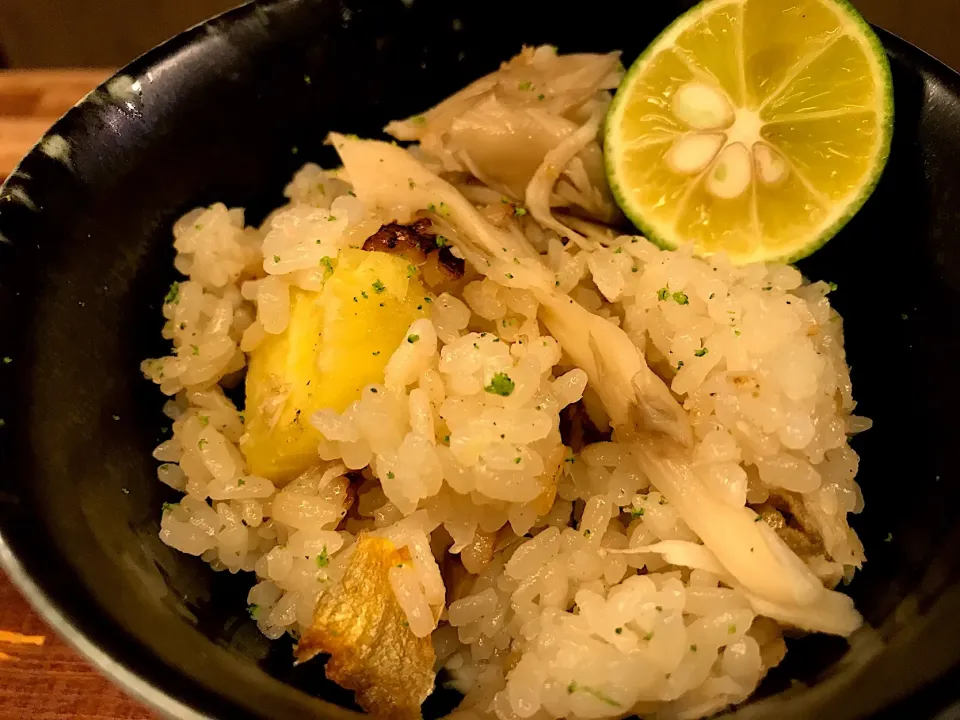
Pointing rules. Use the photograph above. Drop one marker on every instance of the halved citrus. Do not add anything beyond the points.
(752, 127)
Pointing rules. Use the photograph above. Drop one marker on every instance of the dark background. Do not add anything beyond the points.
(110, 33)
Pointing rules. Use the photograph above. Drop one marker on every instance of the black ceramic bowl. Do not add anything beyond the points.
(225, 111)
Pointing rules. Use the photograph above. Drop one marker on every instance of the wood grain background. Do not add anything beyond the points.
(109, 33)
(30, 101)
(52, 682)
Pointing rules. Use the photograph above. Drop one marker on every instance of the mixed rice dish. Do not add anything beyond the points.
(486, 433)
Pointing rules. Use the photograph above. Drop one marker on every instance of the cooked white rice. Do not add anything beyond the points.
(600, 603)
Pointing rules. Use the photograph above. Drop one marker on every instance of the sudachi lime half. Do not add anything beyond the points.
(752, 127)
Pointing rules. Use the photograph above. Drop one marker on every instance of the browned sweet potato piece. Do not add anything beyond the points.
(363, 628)
(411, 242)
(417, 244)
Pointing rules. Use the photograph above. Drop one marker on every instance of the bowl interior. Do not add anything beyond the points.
(227, 112)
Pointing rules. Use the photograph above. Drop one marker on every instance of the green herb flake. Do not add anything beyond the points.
(681, 298)
(276, 258)
(241, 482)
(202, 443)
(525, 85)
(601, 697)
(412, 338)
(573, 687)
(294, 150)
(701, 352)
(541, 96)
(618, 251)
(328, 264)
(253, 611)
(431, 207)
(378, 286)
(323, 559)
(427, 300)
(693, 648)
(832, 286)
(663, 293)
(376, 352)
(679, 364)
(441, 241)
(636, 512)
(757, 518)
(204, 420)
(446, 438)
(173, 295)
(7, 360)
(731, 629)
(364, 294)
(889, 537)
(516, 461)
(587, 533)
(196, 350)
(167, 507)
(519, 211)
(332, 218)
(418, 120)
(390, 475)
(618, 631)
(501, 384)
(411, 270)
(306, 79)
(648, 637)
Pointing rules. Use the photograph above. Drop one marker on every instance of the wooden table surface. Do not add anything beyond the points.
(31, 101)
(51, 681)
(48, 681)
